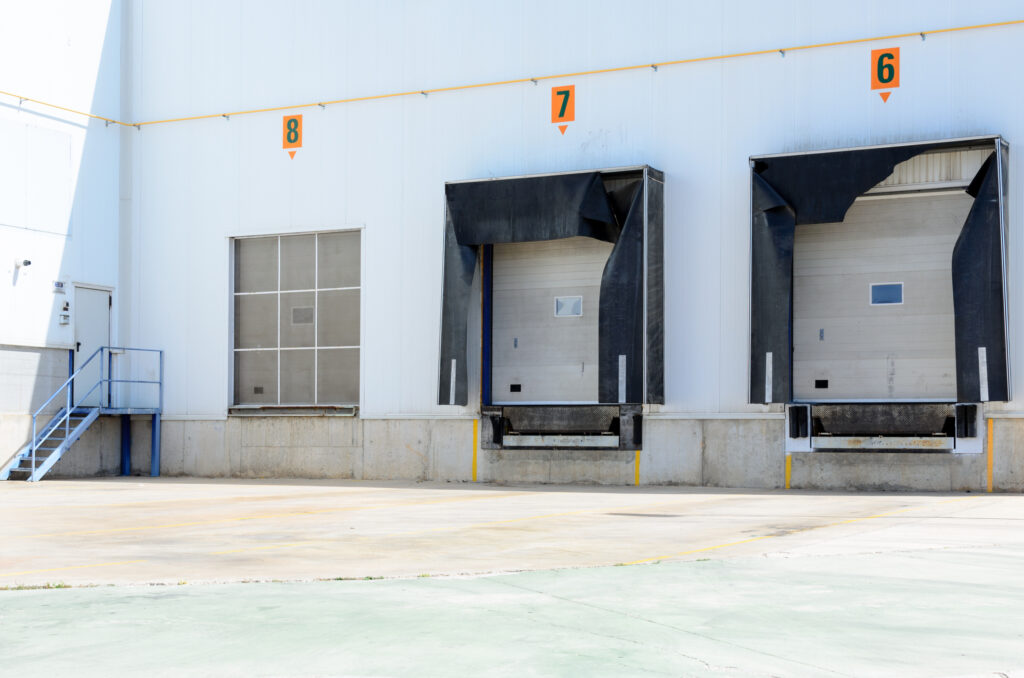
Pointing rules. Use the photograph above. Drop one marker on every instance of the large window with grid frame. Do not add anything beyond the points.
(296, 319)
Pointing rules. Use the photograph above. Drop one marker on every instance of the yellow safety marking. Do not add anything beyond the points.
(455, 528)
(700, 550)
(535, 79)
(266, 516)
(794, 531)
(636, 469)
(789, 469)
(263, 548)
(988, 469)
(70, 567)
(345, 492)
(476, 423)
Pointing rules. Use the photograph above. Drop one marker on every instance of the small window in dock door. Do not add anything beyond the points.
(883, 294)
(568, 307)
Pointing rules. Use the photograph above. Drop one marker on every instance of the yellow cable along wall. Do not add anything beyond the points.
(455, 88)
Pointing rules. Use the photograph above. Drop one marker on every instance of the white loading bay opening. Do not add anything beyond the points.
(873, 295)
(545, 321)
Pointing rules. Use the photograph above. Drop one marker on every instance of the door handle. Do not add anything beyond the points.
(78, 346)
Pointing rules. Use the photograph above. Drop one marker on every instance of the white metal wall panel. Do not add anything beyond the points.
(551, 359)
(865, 351)
(59, 172)
(382, 164)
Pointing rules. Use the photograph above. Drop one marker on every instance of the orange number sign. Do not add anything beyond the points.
(563, 105)
(291, 137)
(885, 68)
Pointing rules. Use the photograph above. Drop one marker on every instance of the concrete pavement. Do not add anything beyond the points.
(620, 581)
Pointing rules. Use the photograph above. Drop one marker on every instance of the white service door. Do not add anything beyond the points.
(92, 330)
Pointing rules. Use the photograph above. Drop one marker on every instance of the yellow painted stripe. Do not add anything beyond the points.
(700, 550)
(268, 547)
(476, 438)
(267, 516)
(789, 469)
(796, 531)
(990, 452)
(70, 567)
(453, 528)
(562, 514)
(636, 469)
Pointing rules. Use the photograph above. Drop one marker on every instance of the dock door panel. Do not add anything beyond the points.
(545, 324)
(898, 344)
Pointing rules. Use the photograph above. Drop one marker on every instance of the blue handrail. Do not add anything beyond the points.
(70, 407)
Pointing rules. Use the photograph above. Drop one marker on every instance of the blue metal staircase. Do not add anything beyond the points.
(50, 442)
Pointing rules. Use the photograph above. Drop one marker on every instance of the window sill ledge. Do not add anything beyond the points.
(294, 411)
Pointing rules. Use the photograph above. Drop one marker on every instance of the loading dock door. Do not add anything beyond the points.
(795, 192)
(545, 323)
(900, 344)
(619, 208)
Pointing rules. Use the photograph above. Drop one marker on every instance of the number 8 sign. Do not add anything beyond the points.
(291, 136)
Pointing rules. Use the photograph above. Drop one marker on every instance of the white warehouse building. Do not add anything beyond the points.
(723, 244)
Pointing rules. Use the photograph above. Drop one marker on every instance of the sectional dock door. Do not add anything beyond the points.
(878, 275)
(572, 285)
(545, 335)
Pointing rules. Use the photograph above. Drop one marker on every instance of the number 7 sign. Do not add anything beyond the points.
(563, 105)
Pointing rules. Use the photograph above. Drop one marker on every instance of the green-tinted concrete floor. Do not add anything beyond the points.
(928, 613)
(747, 583)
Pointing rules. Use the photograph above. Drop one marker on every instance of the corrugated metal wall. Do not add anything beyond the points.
(382, 164)
(935, 170)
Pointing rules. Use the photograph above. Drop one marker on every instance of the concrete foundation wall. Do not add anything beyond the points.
(28, 376)
(889, 471)
(742, 453)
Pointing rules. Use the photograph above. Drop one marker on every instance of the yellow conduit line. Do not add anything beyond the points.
(789, 469)
(536, 79)
(636, 469)
(476, 424)
(989, 451)
(23, 99)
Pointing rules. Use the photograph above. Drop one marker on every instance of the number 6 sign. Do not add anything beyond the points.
(885, 70)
